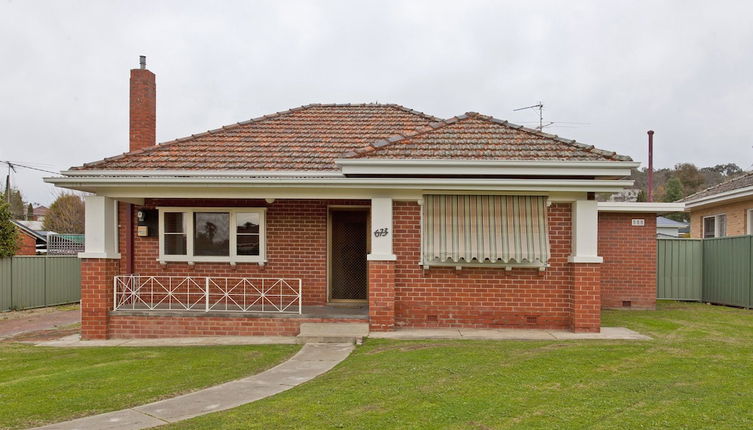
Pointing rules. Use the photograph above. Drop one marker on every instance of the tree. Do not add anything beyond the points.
(15, 202)
(8, 233)
(29, 212)
(673, 190)
(66, 215)
(690, 177)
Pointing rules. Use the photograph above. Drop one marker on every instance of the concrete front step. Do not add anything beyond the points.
(332, 332)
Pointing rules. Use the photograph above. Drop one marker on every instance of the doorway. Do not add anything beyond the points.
(348, 268)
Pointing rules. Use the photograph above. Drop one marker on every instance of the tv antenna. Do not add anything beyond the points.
(540, 107)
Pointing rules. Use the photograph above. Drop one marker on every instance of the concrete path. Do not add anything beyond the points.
(18, 322)
(607, 333)
(311, 361)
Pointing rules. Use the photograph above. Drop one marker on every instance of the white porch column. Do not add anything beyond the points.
(585, 232)
(101, 240)
(381, 230)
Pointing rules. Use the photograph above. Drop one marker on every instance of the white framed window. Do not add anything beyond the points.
(233, 235)
(715, 226)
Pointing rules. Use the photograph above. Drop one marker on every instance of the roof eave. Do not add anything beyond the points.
(724, 197)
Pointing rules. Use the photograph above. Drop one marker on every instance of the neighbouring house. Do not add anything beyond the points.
(356, 213)
(725, 209)
(31, 242)
(39, 212)
(669, 228)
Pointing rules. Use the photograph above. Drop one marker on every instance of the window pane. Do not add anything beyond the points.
(211, 234)
(175, 244)
(722, 219)
(174, 222)
(248, 244)
(247, 223)
(708, 227)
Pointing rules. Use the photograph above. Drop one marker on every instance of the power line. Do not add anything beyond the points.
(12, 166)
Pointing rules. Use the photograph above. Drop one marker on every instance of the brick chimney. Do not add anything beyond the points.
(143, 111)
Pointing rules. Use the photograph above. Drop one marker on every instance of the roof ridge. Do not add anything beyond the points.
(736, 178)
(444, 123)
(381, 143)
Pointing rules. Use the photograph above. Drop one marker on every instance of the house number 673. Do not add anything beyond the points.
(381, 232)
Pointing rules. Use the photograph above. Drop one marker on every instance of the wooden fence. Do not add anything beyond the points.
(718, 270)
(37, 281)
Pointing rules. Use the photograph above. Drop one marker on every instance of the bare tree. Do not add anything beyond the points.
(66, 215)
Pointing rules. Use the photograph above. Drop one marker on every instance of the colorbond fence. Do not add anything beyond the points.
(38, 281)
(716, 270)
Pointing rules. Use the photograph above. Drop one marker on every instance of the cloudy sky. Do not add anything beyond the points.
(605, 71)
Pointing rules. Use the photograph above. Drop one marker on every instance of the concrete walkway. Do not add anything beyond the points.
(607, 333)
(311, 361)
(74, 341)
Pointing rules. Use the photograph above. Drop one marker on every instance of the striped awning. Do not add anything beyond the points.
(485, 229)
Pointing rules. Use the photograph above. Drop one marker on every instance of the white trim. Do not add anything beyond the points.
(101, 225)
(203, 173)
(638, 207)
(232, 258)
(749, 221)
(721, 197)
(717, 229)
(584, 259)
(381, 257)
(485, 167)
(381, 230)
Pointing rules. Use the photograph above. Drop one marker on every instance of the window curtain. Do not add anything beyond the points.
(485, 229)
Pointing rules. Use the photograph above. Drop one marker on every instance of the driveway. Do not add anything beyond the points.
(18, 322)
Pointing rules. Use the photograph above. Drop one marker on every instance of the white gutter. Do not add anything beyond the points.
(485, 167)
(342, 182)
(202, 173)
(721, 197)
(641, 207)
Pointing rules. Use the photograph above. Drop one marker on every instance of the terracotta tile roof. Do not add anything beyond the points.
(476, 136)
(305, 138)
(736, 183)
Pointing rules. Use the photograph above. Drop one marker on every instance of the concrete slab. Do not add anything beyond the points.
(335, 329)
(607, 333)
(311, 361)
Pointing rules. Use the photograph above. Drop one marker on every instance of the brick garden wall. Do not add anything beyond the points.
(628, 274)
(482, 297)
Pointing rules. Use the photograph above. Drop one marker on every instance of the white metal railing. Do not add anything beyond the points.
(207, 294)
(65, 244)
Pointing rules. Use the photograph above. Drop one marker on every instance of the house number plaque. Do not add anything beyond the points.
(381, 232)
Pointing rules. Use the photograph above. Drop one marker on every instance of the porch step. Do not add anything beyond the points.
(332, 332)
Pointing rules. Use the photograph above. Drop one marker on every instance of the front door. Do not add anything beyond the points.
(348, 278)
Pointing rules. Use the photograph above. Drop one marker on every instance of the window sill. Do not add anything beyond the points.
(229, 260)
(508, 267)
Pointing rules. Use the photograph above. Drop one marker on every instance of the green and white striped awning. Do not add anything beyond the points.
(485, 229)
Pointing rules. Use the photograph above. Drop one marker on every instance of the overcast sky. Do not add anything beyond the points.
(605, 71)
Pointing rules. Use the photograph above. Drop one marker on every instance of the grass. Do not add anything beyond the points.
(696, 373)
(40, 385)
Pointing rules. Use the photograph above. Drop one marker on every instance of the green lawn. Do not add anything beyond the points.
(697, 373)
(40, 385)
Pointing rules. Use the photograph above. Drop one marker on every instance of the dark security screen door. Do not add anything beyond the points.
(348, 276)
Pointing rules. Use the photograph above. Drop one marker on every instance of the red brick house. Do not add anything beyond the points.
(343, 213)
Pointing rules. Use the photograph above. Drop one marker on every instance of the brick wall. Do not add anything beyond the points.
(96, 296)
(736, 218)
(586, 300)
(27, 245)
(381, 295)
(481, 297)
(628, 274)
(130, 326)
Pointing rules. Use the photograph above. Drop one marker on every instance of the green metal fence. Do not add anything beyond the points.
(38, 281)
(718, 270)
(679, 269)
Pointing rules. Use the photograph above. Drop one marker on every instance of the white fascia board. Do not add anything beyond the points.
(485, 167)
(641, 207)
(465, 184)
(202, 173)
(721, 197)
